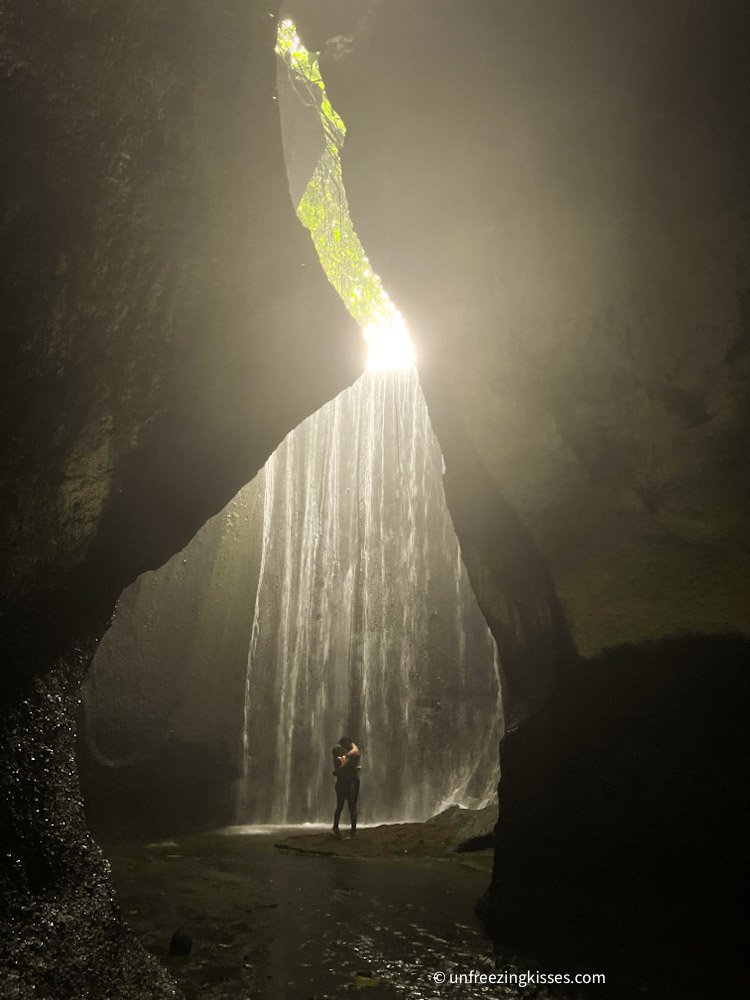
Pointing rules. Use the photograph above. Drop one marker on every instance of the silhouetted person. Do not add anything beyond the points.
(346, 758)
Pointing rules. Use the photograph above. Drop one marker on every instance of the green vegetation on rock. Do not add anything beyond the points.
(323, 208)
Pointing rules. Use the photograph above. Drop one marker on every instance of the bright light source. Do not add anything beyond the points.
(323, 209)
(389, 343)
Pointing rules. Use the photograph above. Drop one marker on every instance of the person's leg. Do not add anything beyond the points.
(352, 794)
(340, 799)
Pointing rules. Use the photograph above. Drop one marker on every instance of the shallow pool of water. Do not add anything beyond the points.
(269, 924)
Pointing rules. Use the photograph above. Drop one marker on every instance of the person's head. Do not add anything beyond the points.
(346, 743)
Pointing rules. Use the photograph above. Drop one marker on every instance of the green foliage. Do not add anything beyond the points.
(305, 69)
(324, 211)
(323, 208)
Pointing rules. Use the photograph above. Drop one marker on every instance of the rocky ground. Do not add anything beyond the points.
(451, 831)
(298, 924)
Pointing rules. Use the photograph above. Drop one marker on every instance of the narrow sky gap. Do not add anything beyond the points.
(324, 211)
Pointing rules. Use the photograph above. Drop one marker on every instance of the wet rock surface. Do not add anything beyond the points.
(61, 933)
(166, 325)
(623, 813)
(451, 830)
(167, 321)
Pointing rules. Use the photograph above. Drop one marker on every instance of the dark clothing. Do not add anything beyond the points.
(347, 790)
(347, 783)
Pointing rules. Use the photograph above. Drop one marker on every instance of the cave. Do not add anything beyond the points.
(555, 196)
(330, 593)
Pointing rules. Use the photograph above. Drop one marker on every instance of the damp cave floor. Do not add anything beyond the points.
(275, 924)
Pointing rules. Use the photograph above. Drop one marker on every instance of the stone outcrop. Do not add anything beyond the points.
(162, 705)
(623, 814)
(165, 325)
(166, 322)
(556, 196)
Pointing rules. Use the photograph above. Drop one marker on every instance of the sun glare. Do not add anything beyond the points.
(324, 211)
(388, 343)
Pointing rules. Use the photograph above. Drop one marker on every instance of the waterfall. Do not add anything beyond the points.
(365, 622)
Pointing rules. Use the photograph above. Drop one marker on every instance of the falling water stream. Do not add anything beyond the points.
(365, 621)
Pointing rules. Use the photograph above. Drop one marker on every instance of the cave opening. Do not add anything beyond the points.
(329, 595)
(556, 197)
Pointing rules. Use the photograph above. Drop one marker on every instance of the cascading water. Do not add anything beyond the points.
(364, 618)
(365, 621)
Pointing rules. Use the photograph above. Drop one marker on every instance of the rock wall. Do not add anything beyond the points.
(62, 931)
(556, 197)
(159, 294)
(163, 700)
(165, 326)
(623, 813)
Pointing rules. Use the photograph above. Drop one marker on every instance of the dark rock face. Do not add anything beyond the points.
(163, 701)
(165, 324)
(508, 572)
(623, 815)
(557, 199)
(556, 196)
(180, 944)
(158, 291)
(62, 933)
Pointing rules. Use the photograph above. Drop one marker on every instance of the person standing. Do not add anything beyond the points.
(346, 765)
